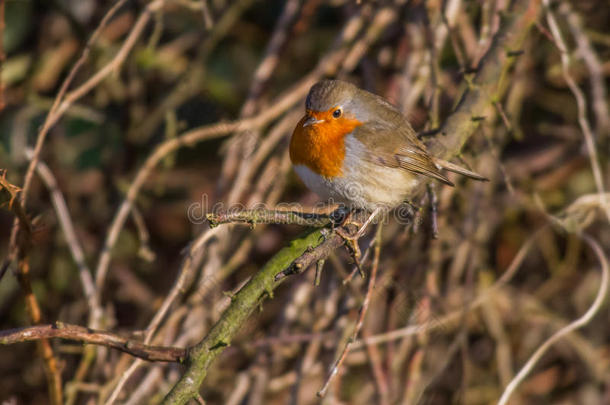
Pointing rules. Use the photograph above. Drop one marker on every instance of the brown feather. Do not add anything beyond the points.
(458, 169)
(398, 146)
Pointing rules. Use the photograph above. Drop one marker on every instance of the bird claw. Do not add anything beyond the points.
(340, 220)
(351, 241)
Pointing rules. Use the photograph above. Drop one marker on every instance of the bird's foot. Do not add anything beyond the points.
(351, 241)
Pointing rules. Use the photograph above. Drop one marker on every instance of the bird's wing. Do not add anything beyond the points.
(398, 147)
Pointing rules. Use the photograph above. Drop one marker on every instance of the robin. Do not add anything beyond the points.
(357, 149)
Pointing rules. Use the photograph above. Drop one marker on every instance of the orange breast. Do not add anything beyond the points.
(321, 146)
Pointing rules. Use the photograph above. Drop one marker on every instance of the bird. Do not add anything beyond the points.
(355, 148)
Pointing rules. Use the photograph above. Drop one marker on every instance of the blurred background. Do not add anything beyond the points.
(174, 66)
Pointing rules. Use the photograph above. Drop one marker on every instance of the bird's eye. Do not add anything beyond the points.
(337, 113)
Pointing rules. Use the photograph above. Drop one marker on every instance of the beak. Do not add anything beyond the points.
(311, 121)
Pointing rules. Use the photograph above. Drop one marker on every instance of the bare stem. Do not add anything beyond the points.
(86, 335)
(264, 216)
(363, 310)
(578, 323)
(261, 286)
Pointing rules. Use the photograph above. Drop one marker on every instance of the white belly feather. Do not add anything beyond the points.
(363, 184)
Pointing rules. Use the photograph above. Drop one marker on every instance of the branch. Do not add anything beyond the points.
(577, 324)
(184, 280)
(188, 138)
(86, 335)
(261, 286)
(263, 216)
(52, 372)
(487, 85)
(60, 106)
(65, 221)
(363, 310)
(581, 104)
(8, 196)
(490, 81)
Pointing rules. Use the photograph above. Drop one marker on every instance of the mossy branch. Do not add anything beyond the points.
(261, 286)
(487, 86)
(490, 80)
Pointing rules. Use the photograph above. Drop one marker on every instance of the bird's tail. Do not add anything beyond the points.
(443, 164)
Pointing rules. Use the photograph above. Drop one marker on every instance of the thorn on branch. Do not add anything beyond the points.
(269, 291)
(319, 268)
(294, 268)
(331, 242)
(514, 54)
(219, 344)
(229, 294)
(505, 119)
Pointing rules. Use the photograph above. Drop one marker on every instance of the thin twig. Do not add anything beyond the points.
(581, 104)
(52, 372)
(242, 146)
(452, 317)
(379, 374)
(45, 351)
(13, 204)
(321, 252)
(60, 106)
(207, 15)
(65, 221)
(591, 59)
(578, 323)
(144, 251)
(86, 335)
(185, 278)
(363, 310)
(189, 138)
(262, 284)
(264, 216)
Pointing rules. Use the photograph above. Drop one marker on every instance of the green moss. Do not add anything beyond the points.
(242, 305)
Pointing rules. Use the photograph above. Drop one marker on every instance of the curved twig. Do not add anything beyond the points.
(363, 310)
(86, 335)
(581, 103)
(578, 323)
